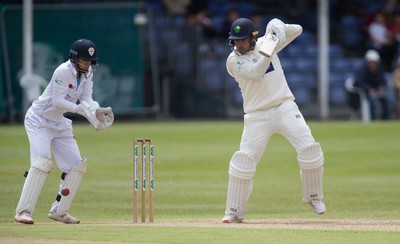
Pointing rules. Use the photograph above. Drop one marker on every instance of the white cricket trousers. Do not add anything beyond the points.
(47, 137)
(285, 119)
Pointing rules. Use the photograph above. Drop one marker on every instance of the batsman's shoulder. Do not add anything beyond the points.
(231, 63)
(236, 56)
(231, 58)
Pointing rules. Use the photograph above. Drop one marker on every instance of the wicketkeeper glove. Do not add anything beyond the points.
(89, 113)
(277, 27)
(106, 118)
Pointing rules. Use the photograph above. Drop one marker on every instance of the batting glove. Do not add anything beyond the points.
(277, 27)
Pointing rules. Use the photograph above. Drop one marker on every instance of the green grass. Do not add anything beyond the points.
(362, 179)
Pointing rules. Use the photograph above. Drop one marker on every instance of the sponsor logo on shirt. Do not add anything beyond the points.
(239, 64)
(58, 81)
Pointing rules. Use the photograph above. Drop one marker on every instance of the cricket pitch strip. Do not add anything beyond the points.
(306, 224)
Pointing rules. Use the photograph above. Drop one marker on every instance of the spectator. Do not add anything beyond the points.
(394, 27)
(382, 40)
(202, 19)
(232, 15)
(257, 19)
(176, 7)
(391, 7)
(303, 12)
(396, 87)
(371, 78)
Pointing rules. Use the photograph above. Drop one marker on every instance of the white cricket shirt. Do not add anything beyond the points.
(261, 79)
(62, 93)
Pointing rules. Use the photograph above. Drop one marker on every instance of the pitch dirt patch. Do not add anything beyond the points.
(331, 224)
(307, 224)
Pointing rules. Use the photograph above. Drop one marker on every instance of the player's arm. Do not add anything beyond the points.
(246, 69)
(292, 31)
(104, 116)
(60, 91)
(87, 94)
(286, 33)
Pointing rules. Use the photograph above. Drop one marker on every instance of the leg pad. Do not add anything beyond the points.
(72, 181)
(311, 160)
(241, 172)
(33, 185)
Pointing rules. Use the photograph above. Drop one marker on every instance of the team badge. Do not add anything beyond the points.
(91, 51)
(239, 65)
(236, 29)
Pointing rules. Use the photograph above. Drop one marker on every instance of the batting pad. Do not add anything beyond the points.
(241, 172)
(37, 175)
(311, 160)
(72, 181)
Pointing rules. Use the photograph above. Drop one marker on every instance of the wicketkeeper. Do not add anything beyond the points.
(49, 132)
(269, 108)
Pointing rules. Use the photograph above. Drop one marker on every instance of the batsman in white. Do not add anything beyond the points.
(269, 108)
(49, 132)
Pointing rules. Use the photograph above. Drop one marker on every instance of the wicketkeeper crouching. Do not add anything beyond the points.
(50, 133)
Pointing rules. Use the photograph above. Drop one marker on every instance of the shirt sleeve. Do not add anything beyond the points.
(60, 90)
(87, 94)
(292, 32)
(247, 69)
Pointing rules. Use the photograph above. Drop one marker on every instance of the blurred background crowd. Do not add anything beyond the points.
(183, 47)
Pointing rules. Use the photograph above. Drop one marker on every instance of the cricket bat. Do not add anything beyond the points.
(269, 44)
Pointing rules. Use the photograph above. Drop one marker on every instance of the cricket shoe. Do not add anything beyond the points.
(65, 218)
(24, 218)
(318, 206)
(231, 218)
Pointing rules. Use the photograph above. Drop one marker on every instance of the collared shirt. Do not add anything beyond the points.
(261, 79)
(63, 92)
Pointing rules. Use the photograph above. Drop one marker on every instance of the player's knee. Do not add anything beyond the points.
(311, 156)
(43, 164)
(242, 166)
(81, 166)
(254, 150)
